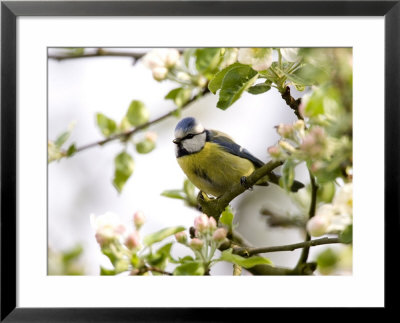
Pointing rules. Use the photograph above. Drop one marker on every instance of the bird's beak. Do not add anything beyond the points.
(176, 141)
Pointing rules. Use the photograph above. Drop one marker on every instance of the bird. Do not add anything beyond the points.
(212, 161)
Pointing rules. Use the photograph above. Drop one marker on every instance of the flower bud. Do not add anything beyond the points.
(138, 219)
(172, 57)
(274, 151)
(285, 145)
(201, 81)
(182, 76)
(317, 226)
(212, 224)
(201, 223)
(181, 237)
(196, 244)
(299, 125)
(132, 241)
(219, 235)
(285, 130)
(160, 73)
(152, 136)
(108, 227)
(317, 166)
(152, 60)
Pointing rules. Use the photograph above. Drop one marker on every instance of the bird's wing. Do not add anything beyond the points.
(232, 147)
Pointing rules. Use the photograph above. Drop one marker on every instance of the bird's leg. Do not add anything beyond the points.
(243, 182)
(209, 205)
(203, 196)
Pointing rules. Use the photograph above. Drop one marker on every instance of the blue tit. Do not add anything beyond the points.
(212, 161)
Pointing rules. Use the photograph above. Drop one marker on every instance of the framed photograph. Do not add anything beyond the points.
(153, 150)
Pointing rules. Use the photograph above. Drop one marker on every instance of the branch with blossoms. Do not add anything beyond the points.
(321, 139)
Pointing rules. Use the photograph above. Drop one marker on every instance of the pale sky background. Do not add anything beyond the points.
(82, 185)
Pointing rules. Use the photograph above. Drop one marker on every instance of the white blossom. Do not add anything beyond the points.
(343, 200)
(333, 217)
(260, 59)
(160, 60)
(290, 54)
(159, 73)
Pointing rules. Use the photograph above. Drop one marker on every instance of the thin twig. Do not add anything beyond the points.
(290, 247)
(291, 102)
(314, 189)
(159, 271)
(129, 133)
(98, 53)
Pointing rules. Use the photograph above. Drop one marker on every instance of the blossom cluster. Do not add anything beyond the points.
(333, 217)
(109, 229)
(206, 234)
(301, 143)
(160, 61)
(260, 59)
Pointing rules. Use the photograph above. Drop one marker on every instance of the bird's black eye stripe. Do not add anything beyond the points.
(191, 135)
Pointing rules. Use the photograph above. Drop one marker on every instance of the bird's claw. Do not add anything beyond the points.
(243, 182)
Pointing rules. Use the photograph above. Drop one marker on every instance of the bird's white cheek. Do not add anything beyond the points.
(194, 144)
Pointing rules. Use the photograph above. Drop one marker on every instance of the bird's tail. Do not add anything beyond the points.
(274, 178)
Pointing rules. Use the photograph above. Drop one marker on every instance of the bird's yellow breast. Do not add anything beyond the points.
(214, 170)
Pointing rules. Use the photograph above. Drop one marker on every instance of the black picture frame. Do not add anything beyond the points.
(11, 10)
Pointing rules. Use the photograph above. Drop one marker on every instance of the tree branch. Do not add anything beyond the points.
(314, 189)
(290, 247)
(131, 132)
(214, 207)
(98, 53)
(291, 102)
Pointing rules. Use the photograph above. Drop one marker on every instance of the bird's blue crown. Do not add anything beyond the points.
(186, 124)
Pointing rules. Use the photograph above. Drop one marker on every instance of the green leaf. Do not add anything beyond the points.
(315, 105)
(145, 146)
(71, 150)
(174, 194)
(327, 258)
(171, 95)
(227, 217)
(180, 96)
(297, 80)
(72, 254)
(189, 189)
(235, 82)
(287, 178)
(326, 192)
(161, 235)
(135, 260)
(159, 259)
(347, 235)
(311, 74)
(216, 83)
(123, 169)
(124, 125)
(107, 272)
(62, 138)
(107, 126)
(207, 59)
(190, 268)
(227, 255)
(259, 88)
(137, 113)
